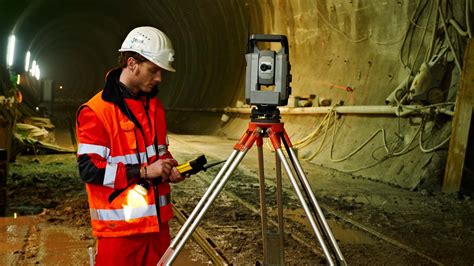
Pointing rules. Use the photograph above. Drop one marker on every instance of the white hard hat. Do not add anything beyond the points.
(152, 44)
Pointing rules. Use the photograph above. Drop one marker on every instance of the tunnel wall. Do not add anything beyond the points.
(335, 45)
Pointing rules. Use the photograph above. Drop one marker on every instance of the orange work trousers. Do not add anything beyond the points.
(140, 249)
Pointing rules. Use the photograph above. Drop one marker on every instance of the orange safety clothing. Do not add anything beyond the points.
(118, 134)
(142, 249)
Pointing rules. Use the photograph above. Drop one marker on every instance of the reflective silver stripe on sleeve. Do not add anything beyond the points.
(110, 173)
(151, 150)
(162, 150)
(125, 159)
(102, 151)
(132, 157)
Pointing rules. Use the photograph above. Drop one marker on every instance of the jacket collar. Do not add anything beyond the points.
(115, 91)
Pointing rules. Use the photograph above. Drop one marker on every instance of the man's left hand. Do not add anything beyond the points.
(175, 176)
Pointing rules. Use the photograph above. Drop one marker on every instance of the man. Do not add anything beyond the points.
(123, 155)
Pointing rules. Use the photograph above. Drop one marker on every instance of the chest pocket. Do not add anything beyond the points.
(128, 129)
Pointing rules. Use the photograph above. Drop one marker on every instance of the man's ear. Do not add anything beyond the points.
(131, 63)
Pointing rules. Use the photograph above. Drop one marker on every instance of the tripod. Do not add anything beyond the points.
(264, 123)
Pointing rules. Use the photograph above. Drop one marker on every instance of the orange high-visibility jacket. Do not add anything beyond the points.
(118, 134)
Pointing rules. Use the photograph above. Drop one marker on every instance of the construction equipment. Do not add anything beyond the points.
(265, 68)
(195, 166)
(188, 168)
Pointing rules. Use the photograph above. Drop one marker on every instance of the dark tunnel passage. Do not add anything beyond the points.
(77, 44)
(379, 111)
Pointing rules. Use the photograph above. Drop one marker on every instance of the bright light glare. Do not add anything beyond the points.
(134, 200)
(37, 72)
(33, 68)
(18, 77)
(10, 50)
(27, 61)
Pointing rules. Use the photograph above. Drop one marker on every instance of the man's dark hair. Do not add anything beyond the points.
(123, 57)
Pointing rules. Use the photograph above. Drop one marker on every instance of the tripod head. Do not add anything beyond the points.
(265, 114)
(270, 69)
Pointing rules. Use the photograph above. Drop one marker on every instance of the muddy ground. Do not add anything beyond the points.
(374, 223)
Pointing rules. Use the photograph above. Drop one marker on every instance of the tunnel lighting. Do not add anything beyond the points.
(33, 68)
(37, 72)
(10, 50)
(18, 79)
(27, 61)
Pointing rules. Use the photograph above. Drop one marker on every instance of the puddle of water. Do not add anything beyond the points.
(13, 234)
(62, 247)
(349, 235)
(58, 245)
(342, 233)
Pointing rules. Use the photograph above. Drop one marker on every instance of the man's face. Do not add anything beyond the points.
(147, 76)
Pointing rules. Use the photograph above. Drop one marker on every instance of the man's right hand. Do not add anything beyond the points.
(160, 168)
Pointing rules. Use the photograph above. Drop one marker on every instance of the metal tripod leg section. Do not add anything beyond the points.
(195, 218)
(307, 211)
(319, 212)
(273, 253)
(279, 200)
(263, 205)
(204, 198)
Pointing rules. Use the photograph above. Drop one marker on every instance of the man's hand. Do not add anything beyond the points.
(166, 169)
(160, 168)
(175, 176)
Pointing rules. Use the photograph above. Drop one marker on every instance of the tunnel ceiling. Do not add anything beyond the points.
(76, 43)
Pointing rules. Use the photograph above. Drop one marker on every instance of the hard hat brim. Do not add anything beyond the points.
(165, 67)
